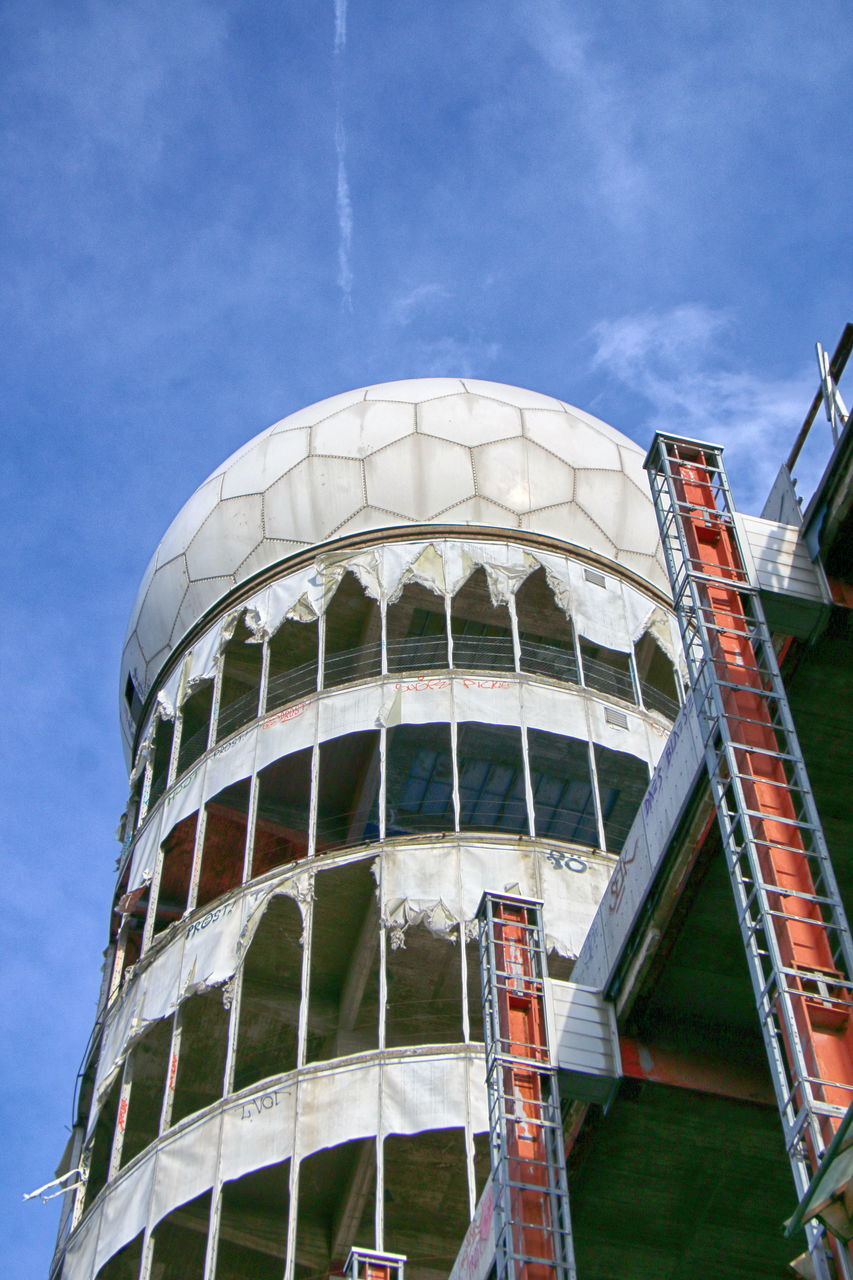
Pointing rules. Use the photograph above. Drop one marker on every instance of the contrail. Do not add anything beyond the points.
(340, 25)
(344, 205)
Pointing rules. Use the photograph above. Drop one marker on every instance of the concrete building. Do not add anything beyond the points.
(409, 644)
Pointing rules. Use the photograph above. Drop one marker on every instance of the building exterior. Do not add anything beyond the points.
(412, 644)
(407, 644)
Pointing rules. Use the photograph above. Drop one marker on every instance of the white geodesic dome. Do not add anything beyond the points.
(442, 451)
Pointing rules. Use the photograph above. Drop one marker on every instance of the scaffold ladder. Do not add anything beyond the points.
(792, 921)
(533, 1227)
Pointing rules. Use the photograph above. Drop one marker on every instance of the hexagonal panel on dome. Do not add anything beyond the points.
(313, 498)
(468, 419)
(571, 439)
(618, 506)
(418, 476)
(362, 428)
(230, 532)
(479, 511)
(269, 458)
(413, 390)
(192, 514)
(314, 413)
(521, 476)
(162, 601)
(367, 518)
(568, 521)
(265, 554)
(519, 397)
(198, 599)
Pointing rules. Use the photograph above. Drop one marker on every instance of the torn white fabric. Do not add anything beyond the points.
(203, 659)
(205, 952)
(510, 701)
(293, 1116)
(441, 882)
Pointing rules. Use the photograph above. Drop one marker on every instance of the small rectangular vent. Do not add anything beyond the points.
(617, 718)
(597, 579)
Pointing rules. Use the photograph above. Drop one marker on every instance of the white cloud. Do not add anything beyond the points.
(450, 357)
(680, 361)
(600, 105)
(405, 306)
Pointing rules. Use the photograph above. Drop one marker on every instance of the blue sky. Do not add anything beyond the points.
(216, 213)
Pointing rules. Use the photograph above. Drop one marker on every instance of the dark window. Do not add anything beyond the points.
(622, 782)
(482, 631)
(563, 803)
(419, 785)
(491, 778)
(242, 660)
(607, 670)
(292, 663)
(348, 790)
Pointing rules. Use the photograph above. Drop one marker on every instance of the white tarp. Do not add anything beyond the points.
(403, 1092)
(614, 615)
(205, 953)
(513, 700)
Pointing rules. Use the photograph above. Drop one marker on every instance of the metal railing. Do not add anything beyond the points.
(416, 654)
(550, 660)
(483, 653)
(606, 679)
(654, 700)
(288, 686)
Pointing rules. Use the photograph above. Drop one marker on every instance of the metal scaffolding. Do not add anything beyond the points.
(533, 1227)
(792, 921)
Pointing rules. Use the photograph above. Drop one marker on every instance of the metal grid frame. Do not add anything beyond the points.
(748, 732)
(532, 1219)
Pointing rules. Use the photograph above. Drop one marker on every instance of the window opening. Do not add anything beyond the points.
(125, 1264)
(281, 824)
(419, 781)
(353, 635)
(337, 1199)
(491, 778)
(172, 896)
(658, 686)
(164, 734)
(424, 1002)
(224, 847)
(563, 801)
(180, 1242)
(343, 1004)
(348, 790)
(253, 1225)
(195, 725)
(416, 631)
(607, 670)
(482, 632)
(132, 699)
(622, 783)
(201, 1057)
(545, 634)
(149, 1060)
(102, 1142)
(268, 1031)
(435, 1162)
(292, 662)
(242, 659)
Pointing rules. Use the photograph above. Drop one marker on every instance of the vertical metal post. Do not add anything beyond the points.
(792, 921)
(533, 1227)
